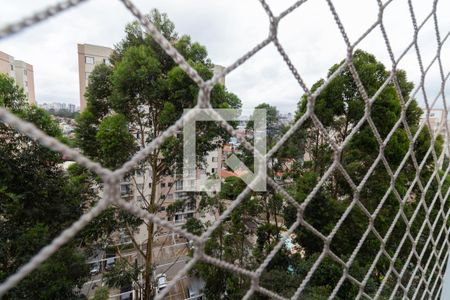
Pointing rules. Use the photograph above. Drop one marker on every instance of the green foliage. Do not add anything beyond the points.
(11, 96)
(116, 143)
(55, 278)
(38, 199)
(339, 107)
(232, 187)
(63, 113)
(194, 226)
(86, 132)
(101, 293)
(134, 101)
(122, 274)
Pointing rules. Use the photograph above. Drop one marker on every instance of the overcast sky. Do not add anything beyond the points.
(228, 29)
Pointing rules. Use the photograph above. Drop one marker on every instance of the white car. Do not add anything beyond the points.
(110, 263)
(95, 269)
(161, 282)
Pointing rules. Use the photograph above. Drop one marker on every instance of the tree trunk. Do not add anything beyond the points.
(148, 292)
(148, 264)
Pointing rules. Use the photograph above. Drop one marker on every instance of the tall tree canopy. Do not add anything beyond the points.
(38, 199)
(339, 107)
(135, 99)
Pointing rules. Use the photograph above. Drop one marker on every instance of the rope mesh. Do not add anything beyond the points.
(429, 266)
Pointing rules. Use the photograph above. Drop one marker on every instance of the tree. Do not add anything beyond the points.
(133, 101)
(101, 294)
(38, 199)
(339, 107)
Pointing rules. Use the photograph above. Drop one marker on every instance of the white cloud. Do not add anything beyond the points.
(229, 29)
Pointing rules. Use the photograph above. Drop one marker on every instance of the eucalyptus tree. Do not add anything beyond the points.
(133, 101)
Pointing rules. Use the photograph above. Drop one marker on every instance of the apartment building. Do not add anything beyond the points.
(88, 57)
(438, 125)
(218, 69)
(138, 188)
(171, 189)
(7, 64)
(21, 72)
(71, 108)
(437, 121)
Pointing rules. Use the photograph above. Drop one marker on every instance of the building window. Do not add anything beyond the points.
(190, 206)
(12, 67)
(170, 184)
(190, 172)
(213, 170)
(89, 60)
(162, 197)
(25, 72)
(149, 185)
(125, 189)
(214, 159)
(179, 185)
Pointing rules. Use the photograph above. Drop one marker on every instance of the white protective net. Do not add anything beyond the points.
(424, 279)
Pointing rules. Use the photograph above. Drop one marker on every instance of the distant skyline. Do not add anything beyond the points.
(228, 30)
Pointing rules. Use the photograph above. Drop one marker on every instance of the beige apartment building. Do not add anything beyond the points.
(88, 57)
(437, 120)
(438, 124)
(218, 69)
(21, 72)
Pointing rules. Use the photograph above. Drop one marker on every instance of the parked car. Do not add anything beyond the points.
(161, 282)
(194, 294)
(190, 244)
(126, 293)
(95, 269)
(195, 288)
(110, 263)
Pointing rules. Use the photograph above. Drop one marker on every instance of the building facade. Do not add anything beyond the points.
(88, 57)
(21, 72)
(438, 123)
(217, 69)
(71, 108)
